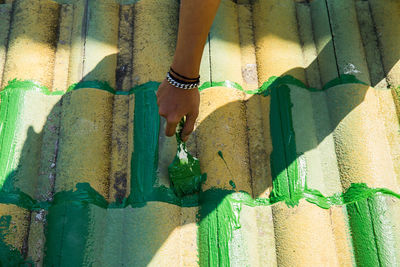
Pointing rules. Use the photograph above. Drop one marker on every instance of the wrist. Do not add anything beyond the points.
(188, 68)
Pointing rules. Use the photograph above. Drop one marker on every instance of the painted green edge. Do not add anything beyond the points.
(263, 89)
(286, 188)
(286, 185)
(28, 86)
(85, 194)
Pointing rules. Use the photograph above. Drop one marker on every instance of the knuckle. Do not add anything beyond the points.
(173, 119)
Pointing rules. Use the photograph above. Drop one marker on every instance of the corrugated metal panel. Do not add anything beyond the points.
(291, 170)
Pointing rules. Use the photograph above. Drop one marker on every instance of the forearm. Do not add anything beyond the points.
(195, 20)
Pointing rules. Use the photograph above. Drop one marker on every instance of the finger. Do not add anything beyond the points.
(189, 126)
(162, 113)
(170, 129)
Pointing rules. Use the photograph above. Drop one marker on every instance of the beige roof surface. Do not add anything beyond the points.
(302, 170)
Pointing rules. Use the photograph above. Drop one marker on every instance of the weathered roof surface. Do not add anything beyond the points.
(84, 173)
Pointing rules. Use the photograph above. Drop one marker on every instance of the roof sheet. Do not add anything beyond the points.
(302, 170)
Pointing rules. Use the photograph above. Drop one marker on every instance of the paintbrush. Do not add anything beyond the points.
(184, 172)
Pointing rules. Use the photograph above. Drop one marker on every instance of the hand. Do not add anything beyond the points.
(175, 103)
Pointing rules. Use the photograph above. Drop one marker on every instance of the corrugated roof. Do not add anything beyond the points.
(302, 170)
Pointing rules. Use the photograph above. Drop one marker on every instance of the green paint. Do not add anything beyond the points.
(21, 199)
(232, 183)
(372, 232)
(226, 165)
(218, 218)
(68, 223)
(145, 156)
(343, 79)
(9, 256)
(227, 83)
(68, 217)
(284, 169)
(274, 81)
(67, 232)
(12, 105)
(92, 84)
(18, 85)
(105, 86)
(184, 172)
(85, 194)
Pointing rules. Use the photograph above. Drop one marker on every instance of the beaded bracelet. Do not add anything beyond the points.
(182, 84)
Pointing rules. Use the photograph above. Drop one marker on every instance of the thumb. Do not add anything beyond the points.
(189, 126)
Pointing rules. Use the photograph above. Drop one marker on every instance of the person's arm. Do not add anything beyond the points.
(195, 20)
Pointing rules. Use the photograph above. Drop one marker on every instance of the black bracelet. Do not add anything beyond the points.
(183, 77)
(181, 81)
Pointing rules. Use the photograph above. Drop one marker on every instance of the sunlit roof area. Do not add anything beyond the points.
(298, 136)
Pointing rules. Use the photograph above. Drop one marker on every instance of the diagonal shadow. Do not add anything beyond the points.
(19, 177)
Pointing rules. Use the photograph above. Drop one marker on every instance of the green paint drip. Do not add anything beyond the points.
(184, 172)
(218, 218)
(226, 164)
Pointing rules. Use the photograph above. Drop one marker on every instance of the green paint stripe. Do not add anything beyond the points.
(264, 89)
(285, 174)
(286, 188)
(67, 233)
(92, 84)
(218, 218)
(219, 214)
(372, 233)
(85, 194)
(145, 155)
(10, 109)
(27, 85)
